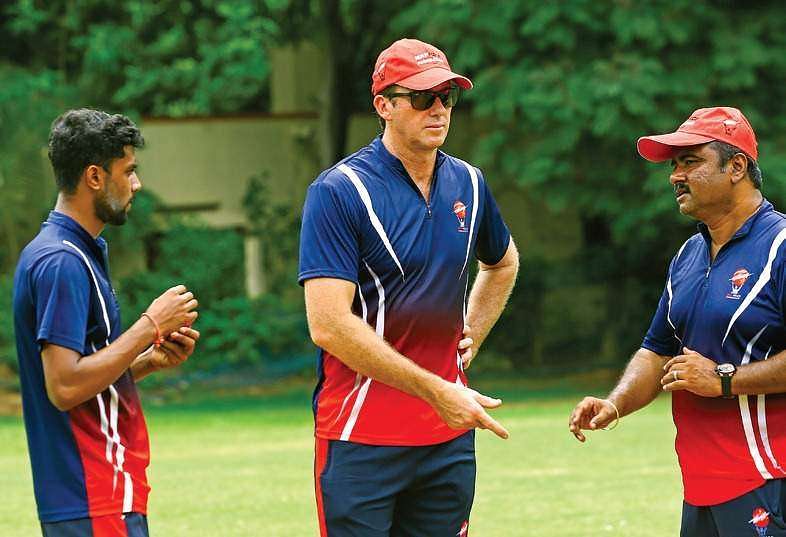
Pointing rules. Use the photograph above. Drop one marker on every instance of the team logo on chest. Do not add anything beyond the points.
(760, 521)
(737, 280)
(460, 210)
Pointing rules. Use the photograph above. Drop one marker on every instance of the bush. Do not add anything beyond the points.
(7, 342)
(237, 332)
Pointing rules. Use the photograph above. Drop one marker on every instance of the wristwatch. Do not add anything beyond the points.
(725, 372)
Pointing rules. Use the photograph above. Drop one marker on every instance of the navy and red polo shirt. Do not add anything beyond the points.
(730, 309)
(365, 221)
(91, 460)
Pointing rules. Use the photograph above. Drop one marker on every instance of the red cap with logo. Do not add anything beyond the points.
(414, 65)
(721, 123)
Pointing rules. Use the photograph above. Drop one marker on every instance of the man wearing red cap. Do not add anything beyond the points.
(388, 237)
(718, 339)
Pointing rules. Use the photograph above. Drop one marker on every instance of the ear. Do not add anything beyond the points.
(738, 167)
(383, 107)
(94, 177)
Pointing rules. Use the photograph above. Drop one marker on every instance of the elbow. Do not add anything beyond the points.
(322, 336)
(63, 398)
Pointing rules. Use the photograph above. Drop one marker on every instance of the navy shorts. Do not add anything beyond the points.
(128, 525)
(759, 513)
(393, 491)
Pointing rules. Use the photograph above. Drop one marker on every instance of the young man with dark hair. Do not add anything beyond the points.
(86, 433)
(388, 237)
(717, 340)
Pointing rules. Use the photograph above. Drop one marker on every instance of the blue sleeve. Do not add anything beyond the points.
(329, 236)
(493, 234)
(61, 291)
(661, 338)
(779, 277)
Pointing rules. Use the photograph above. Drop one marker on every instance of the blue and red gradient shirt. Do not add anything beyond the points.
(731, 310)
(365, 221)
(91, 460)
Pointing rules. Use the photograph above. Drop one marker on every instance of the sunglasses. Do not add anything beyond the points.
(423, 100)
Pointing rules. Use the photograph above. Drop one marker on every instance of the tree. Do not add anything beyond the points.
(168, 58)
(566, 88)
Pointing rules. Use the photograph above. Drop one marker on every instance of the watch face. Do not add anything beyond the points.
(725, 369)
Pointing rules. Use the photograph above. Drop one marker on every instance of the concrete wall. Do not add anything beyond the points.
(202, 166)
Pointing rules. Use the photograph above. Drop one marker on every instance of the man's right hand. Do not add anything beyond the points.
(464, 408)
(176, 307)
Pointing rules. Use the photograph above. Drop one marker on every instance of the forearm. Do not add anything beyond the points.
(356, 344)
(761, 377)
(92, 374)
(489, 294)
(142, 366)
(640, 383)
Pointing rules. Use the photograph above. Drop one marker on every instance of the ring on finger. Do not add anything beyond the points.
(676, 378)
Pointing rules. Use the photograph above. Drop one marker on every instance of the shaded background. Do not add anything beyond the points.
(243, 102)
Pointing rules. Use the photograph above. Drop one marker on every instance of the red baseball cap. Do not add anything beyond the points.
(415, 65)
(722, 123)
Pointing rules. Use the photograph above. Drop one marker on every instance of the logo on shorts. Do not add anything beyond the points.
(464, 531)
(737, 280)
(460, 210)
(760, 521)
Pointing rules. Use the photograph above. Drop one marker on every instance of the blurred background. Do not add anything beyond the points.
(243, 102)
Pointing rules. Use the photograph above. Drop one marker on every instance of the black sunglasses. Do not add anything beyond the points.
(423, 100)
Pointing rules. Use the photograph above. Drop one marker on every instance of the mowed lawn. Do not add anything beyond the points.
(241, 466)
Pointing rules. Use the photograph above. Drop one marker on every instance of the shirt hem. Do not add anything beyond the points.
(391, 441)
(311, 274)
(717, 500)
(69, 343)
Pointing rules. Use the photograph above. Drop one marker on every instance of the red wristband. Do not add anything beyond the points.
(159, 340)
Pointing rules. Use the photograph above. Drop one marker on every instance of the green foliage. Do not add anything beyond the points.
(171, 58)
(277, 225)
(566, 88)
(572, 85)
(29, 101)
(7, 342)
(236, 331)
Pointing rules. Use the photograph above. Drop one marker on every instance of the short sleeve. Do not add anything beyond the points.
(61, 291)
(493, 234)
(329, 236)
(661, 338)
(779, 275)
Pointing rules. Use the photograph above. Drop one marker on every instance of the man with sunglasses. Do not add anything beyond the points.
(388, 238)
(717, 340)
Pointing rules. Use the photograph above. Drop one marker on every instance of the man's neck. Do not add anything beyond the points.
(418, 163)
(81, 211)
(723, 227)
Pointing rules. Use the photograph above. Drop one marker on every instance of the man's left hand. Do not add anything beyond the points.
(466, 348)
(692, 372)
(175, 349)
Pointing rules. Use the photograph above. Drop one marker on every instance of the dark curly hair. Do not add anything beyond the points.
(80, 138)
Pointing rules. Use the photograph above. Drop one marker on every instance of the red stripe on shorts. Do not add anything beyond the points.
(320, 459)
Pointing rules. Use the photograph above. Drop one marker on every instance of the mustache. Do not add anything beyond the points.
(681, 188)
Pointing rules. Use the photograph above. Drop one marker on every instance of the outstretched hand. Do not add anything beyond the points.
(591, 414)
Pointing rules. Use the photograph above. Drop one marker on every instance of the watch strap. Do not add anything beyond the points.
(726, 386)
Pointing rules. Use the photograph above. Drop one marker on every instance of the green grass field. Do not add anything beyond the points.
(241, 466)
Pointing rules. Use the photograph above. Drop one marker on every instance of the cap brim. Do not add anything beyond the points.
(663, 146)
(434, 77)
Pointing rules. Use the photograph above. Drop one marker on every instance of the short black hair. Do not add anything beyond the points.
(80, 138)
(725, 151)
